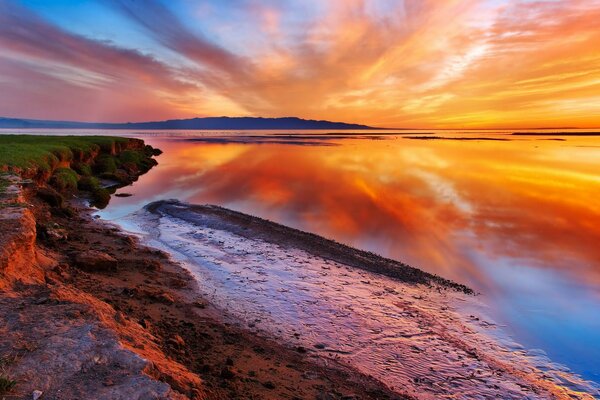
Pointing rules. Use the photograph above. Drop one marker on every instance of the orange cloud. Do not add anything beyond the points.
(426, 63)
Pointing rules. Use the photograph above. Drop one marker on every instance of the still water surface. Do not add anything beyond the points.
(518, 220)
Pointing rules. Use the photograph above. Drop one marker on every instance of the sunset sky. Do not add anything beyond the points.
(395, 63)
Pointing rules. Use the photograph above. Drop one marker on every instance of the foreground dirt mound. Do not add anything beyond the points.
(60, 348)
(57, 340)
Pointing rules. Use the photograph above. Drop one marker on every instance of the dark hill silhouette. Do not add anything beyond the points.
(194, 123)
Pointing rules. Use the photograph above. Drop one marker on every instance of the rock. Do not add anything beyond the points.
(226, 373)
(93, 260)
(327, 396)
(36, 394)
(152, 265)
(145, 323)
(165, 298)
(56, 233)
(269, 385)
(199, 304)
(128, 240)
(155, 294)
(131, 168)
(120, 318)
(176, 341)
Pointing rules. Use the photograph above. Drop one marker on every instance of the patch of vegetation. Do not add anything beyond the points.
(88, 183)
(131, 156)
(64, 179)
(100, 195)
(6, 384)
(81, 168)
(89, 158)
(46, 152)
(105, 164)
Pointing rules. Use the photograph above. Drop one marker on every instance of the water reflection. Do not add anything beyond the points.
(517, 220)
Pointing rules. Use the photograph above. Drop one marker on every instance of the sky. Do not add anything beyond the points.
(385, 63)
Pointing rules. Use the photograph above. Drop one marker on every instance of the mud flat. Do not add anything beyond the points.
(417, 334)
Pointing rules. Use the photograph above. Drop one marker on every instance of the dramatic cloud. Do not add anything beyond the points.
(399, 63)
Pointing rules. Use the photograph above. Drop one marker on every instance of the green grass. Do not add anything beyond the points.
(82, 169)
(64, 179)
(69, 161)
(45, 152)
(105, 164)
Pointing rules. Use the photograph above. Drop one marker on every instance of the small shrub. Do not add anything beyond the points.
(88, 183)
(100, 197)
(64, 179)
(82, 169)
(142, 160)
(63, 153)
(105, 164)
(131, 156)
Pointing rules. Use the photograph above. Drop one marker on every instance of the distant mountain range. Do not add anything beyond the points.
(212, 123)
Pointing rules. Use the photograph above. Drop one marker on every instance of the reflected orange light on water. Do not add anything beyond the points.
(432, 204)
(517, 220)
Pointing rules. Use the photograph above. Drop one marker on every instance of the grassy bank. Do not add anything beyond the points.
(71, 163)
(44, 152)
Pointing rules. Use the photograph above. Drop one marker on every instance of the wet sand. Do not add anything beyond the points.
(415, 333)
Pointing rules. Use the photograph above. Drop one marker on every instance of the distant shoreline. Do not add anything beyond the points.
(207, 123)
(556, 133)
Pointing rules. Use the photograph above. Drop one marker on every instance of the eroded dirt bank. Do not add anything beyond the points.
(88, 312)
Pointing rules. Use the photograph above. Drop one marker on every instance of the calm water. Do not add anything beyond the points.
(518, 220)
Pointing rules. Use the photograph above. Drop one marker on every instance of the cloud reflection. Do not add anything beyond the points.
(444, 206)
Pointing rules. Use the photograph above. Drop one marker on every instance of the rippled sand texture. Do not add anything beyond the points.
(416, 339)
